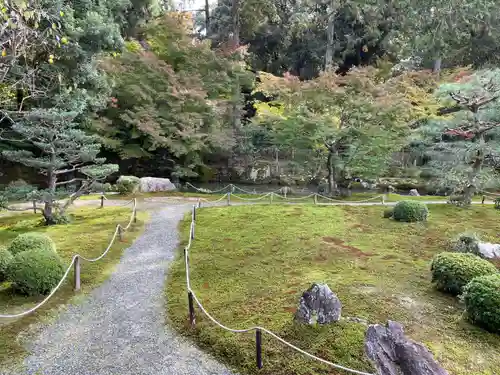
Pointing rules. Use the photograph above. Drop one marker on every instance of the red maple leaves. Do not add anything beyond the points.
(114, 102)
(467, 134)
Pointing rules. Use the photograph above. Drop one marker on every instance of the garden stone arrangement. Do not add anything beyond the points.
(318, 304)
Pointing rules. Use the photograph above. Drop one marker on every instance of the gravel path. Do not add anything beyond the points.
(119, 329)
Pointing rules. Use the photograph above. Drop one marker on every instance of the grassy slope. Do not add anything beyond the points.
(249, 265)
(89, 235)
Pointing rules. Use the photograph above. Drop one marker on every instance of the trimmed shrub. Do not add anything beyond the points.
(98, 187)
(32, 241)
(482, 301)
(451, 272)
(35, 272)
(410, 211)
(127, 184)
(19, 190)
(5, 260)
(466, 243)
(388, 213)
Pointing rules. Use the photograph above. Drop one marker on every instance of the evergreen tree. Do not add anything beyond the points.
(465, 147)
(58, 149)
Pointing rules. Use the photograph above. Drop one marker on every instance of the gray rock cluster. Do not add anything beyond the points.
(387, 347)
(414, 193)
(154, 184)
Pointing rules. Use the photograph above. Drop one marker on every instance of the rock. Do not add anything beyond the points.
(318, 302)
(414, 193)
(488, 250)
(152, 184)
(392, 353)
(391, 189)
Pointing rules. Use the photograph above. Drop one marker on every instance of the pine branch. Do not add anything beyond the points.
(69, 181)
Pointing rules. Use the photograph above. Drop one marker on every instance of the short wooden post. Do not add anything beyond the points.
(102, 200)
(199, 203)
(229, 198)
(258, 347)
(482, 201)
(192, 318)
(192, 231)
(383, 199)
(77, 273)
(284, 192)
(120, 233)
(271, 198)
(135, 215)
(34, 206)
(194, 213)
(315, 198)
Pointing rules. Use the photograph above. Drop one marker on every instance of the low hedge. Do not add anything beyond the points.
(482, 301)
(35, 272)
(5, 260)
(32, 241)
(451, 272)
(410, 211)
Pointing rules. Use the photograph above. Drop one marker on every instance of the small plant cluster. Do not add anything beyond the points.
(31, 264)
(475, 280)
(127, 185)
(408, 211)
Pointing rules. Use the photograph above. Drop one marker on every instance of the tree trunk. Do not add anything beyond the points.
(332, 184)
(235, 18)
(330, 36)
(48, 210)
(471, 188)
(437, 65)
(207, 16)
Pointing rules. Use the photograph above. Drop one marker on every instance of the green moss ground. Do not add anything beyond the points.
(88, 234)
(250, 264)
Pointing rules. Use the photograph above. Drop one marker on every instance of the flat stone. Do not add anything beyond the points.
(488, 250)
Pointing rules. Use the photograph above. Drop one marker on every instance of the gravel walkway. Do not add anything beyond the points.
(120, 329)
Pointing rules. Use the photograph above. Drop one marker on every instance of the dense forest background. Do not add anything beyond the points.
(293, 92)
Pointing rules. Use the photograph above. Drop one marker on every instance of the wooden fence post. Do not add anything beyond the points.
(192, 231)
(194, 213)
(102, 200)
(135, 215)
(34, 206)
(315, 198)
(383, 199)
(482, 201)
(271, 198)
(77, 273)
(258, 347)
(229, 198)
(199, 203)
(192, 318)
(120, 233)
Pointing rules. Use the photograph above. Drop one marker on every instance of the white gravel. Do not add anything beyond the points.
(120, 329)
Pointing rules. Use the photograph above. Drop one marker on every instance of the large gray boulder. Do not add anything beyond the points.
(414, 193)
(488, 250)
(392, 353)
(154, 184)
(319, 304)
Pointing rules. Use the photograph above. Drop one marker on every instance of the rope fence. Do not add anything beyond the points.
(193, 299)
(76, 264)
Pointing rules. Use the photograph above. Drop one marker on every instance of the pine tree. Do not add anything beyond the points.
(465, 147)
(58, 149)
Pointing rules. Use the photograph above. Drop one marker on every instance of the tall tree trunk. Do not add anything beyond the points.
(330, 36)
(235, 19)
(48, 210)
(207, 16)
(332, 184)
(437, 65)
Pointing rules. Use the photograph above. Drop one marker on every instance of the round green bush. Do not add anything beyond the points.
(388, 213)
(5, 260)
(35, 272)
(127, 184)
(410, 211)
(31, 241)
(452, 271)
(482, 301)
